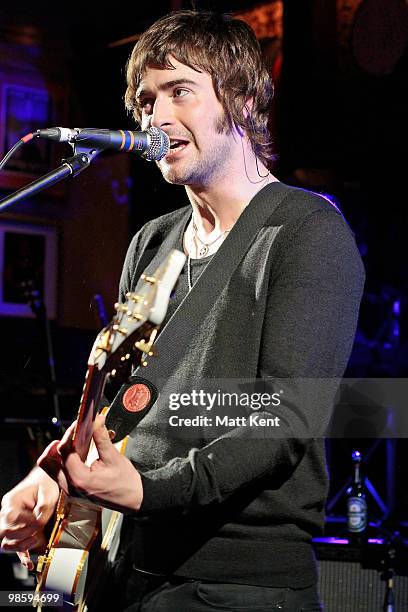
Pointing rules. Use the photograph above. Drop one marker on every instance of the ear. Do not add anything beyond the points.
(246, 111)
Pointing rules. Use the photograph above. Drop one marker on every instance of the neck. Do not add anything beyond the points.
(217, 206)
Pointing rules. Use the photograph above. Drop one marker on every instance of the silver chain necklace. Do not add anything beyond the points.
(202, 252)
(205, 246)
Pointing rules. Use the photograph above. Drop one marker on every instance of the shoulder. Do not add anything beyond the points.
(298, 204)
(156, 229)
(147, 241)
(169, 220)
(161, 226)
(314, 236)
(303, 214)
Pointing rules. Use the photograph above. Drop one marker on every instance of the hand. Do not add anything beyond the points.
(25, 510)
(111, 481)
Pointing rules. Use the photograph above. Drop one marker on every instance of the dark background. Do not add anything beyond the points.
(338, 124)
(333, 114)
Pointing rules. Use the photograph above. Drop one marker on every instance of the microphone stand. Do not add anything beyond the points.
(70, 167)
(37, 305)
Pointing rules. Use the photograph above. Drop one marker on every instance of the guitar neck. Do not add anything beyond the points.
(88, 409)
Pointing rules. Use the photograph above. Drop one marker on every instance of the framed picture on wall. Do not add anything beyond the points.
(28, 268)
(24, 110)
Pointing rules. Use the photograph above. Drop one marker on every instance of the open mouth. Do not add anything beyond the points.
(176, 145)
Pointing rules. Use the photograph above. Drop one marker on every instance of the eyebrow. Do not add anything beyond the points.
(165, 86)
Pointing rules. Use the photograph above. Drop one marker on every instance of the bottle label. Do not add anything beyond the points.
(356, 514)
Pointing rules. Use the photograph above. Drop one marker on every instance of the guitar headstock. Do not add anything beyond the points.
(135, 325)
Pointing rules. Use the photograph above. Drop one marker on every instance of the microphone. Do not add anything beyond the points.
(153, 144)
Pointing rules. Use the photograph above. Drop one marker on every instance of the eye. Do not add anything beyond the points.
(180, 92)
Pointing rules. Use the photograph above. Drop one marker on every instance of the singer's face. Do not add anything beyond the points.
(182, 102)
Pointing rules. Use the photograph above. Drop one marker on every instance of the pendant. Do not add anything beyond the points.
(203, 250)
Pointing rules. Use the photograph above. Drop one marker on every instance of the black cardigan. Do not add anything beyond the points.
(243, 506)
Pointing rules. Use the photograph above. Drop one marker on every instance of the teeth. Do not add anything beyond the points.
(177, 143)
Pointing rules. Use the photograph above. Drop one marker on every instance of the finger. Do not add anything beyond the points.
(19, 545)
(106, 450)
(18, 525)
(26, 560)
(50, 460)
(52, 463)
(15, 519)
(99, 420)
(77, 472)
(21, 532)
(65, 444)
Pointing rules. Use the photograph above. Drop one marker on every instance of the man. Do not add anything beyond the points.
(220, 521)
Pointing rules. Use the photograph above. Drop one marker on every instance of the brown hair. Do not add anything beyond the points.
(225, 48)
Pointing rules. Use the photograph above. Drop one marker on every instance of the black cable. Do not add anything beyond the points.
(15, 148)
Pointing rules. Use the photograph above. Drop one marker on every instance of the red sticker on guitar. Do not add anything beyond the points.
(136, 397)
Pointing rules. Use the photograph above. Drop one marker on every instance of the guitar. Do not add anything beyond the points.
(85, 536)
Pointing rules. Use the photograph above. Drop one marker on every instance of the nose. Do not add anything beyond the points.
(162, 114)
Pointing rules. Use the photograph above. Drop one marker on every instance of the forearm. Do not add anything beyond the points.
(247, 454)
(211, 474)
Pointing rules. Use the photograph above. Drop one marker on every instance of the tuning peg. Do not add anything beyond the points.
(145, 347)
(121, 307)
(104, 342)
(134, 315)
(134, 297)
(148, 279)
